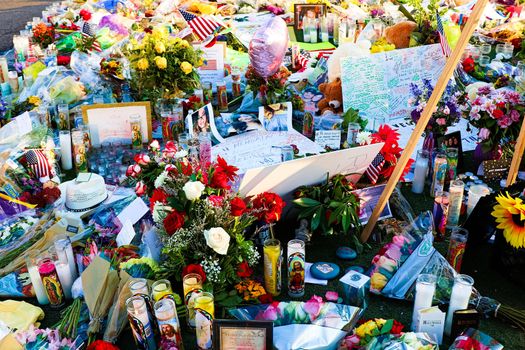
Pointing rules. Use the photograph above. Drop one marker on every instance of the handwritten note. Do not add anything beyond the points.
(126, 234)
(379, 85)
(330, 138)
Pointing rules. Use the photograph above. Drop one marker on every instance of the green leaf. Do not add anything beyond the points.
(307, 213)
(387, 327)
(316, 219)
(345, 219)
(306, 202)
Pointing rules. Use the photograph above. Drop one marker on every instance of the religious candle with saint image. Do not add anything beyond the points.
(51, 282)
(136, 131)
(272, 266)
(79, 150)
(296, 262)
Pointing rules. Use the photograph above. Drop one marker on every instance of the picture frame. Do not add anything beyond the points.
(110, 122)
(199, 121)
(235, 334)
(310, 10)
(452, 139)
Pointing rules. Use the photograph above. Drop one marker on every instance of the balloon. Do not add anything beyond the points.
(268, 47)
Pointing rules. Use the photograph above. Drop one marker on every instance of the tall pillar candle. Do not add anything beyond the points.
(64, 274)
(51, 282)
(3, 69)
(161, 289)
(204, 315)
(456, 190)
(296, 268)
(168, 321)
(456, 248)
(272, 266)
(191, 286)
(440, 173)
(65, 253)
(36, 280)
(425, 288)
(459, 298)
(420, 172)
(140, 323)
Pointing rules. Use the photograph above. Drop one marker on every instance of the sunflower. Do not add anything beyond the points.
(510, 216)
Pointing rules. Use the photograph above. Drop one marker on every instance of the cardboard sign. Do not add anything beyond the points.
(330, 138)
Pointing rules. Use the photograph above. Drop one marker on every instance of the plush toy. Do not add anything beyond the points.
(359, 49)
(399, 34)
(333, 97)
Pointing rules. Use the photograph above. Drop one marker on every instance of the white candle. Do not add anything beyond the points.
(474, 195)
(65, 254)
(64, 274)
(65, 150)
(38, 287)
(459, 298)
(420, 172)
(425, 288)
(456, 200)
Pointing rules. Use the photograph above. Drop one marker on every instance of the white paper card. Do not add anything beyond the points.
(432, 321)
(126, 234)
(133, 212)
(355, 279)
(330, 138)
(308, 276)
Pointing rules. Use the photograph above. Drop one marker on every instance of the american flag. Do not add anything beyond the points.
(322, 53)
(90, 31)
(38, 163)
(202, 27)
(442, 37)
(373, 170)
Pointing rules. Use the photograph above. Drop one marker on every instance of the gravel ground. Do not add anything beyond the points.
(14, 14)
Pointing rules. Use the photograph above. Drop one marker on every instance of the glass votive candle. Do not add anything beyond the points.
(475, 53)
(485, 49)
(161, 289)
(51, 282)
(425, 288)
(296, 271)
(456, 248)
(272, 266)
(204, 315)
(191, 282)
(500, 48)
(475, 193)
(183, 140)
(484, 60)
(168, 321)
(353, 130)
(32, 268)
(136, 131)
(140, 323)
(207, 91)
(459, 298)
(286, 153)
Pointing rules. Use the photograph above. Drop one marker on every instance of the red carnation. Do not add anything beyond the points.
(101, 345)
(468, 64)
(85, 14)
(237, 206)
(194, 268)
(219, 180)
(158, 195)
(173, 222)
(216, 201)
(63, 60)
(266, 298)
(268, 207)
(186, 169)
(229, 170)
(498, 113)
(397, 327)
(244, 270)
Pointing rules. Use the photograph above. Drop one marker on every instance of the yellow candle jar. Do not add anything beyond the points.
(204, 301)
(161, 288)
(191, 281)
(272, 266)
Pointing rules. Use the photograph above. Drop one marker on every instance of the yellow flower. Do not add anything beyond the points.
(161, 62)
(378, 281)
(158, 33)
(365, 329)
(142, 64)
(160, 48)
(34, 100)
(184, 44)
(186, 67)
(380, 321)
(200, 62)
(510, 216)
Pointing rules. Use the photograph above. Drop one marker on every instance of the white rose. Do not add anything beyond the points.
(217, 239)
(193, 190)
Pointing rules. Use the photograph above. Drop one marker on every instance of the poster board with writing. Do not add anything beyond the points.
(379, 85)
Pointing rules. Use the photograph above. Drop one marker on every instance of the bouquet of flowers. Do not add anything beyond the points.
(271, 90)
(41, 339)
(496, 113)
(43, 35)
(162, 65)
(201, 221)
(447, 113)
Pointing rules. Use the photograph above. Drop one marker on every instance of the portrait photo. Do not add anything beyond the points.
(311, 11)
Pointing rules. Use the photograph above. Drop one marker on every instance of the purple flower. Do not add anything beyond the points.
(415, 115)
(514, 116)
(484, 134)
(504, 122)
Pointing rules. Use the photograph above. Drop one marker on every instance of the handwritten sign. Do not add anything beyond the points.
(379, 85)
(330, 138)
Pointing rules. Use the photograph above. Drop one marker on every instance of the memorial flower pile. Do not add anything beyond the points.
(200, 220)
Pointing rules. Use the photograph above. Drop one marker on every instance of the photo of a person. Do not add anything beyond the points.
(199, 121)
(276, 117)
(297, 276)
(168, 331)
(310, 11)
(228, 125)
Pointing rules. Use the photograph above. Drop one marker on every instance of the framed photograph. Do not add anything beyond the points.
(452, 139)
(199, 121)
(111, 122)
(276, 117)
(234, 335)
(307, 10)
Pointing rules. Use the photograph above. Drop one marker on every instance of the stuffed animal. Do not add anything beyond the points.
(359, 49)
(399, 34)
(333, 97)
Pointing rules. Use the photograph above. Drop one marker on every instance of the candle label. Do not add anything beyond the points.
(222, 98)
(440, 173)
(79, 152)
(203, 321)
(207, 95)
(142, 333)
(136, 134)
(51, 284)
(296, 274)
(456, 250)
(171, 126)
(63, 122)
(272, 273)
(440, 214)
(308, 124)
(189, 300)
(236, 89)
(170, 330)
(149, 308)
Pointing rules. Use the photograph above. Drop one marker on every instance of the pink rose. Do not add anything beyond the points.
(142, 159)
(154, 145)
(484, 134)
(352, 341)
(140, 188)
(133, 170)
(313, 306)
(399, 240)
(441, 121)
(270, 314)
(394, 253)
(504, 122)
(331, 296)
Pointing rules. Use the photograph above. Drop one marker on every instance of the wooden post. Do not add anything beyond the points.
(517, 156)
(432, 102)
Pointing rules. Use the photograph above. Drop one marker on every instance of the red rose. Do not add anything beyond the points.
(173, 222)
(237, 206)
(169, 150)
(142, 159)
(498, 113)
(140, 188)
(268, 207)
(186, 169)
(158, 195)
(500, 104)
(101, 345)
(85, 14)
(194, 268)
(50, 194)
(397, 327)
(244, 270)
(468, 64)
(219, 180)
(133, 170)
(266, 298)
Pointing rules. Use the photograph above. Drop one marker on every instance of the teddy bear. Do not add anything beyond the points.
(399, 34)
(333, 97)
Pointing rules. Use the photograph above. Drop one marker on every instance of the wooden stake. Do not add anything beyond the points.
(517, 156)
(432, 102)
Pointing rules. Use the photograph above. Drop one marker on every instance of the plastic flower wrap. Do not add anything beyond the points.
(475, 339)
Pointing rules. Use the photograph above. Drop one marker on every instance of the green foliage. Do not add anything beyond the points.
(352, 116)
